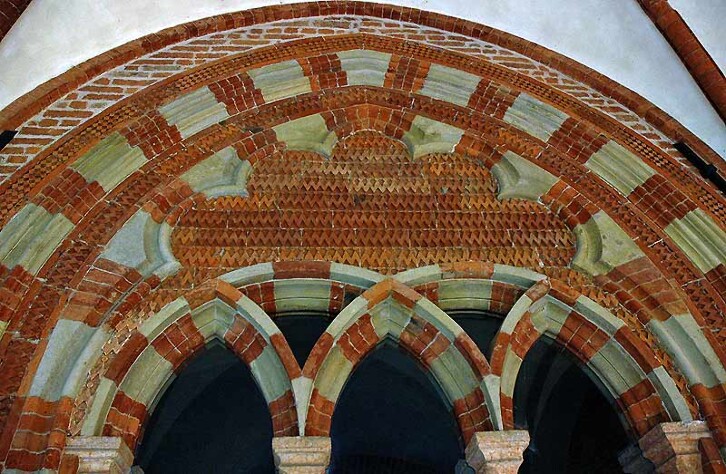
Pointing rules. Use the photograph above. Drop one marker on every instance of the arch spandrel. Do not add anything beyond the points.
(543, 140)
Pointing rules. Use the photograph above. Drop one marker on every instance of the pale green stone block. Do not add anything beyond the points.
(222, 174)
(333, 374)
(603, 245)
(549, 315)
(31, 237)
(626, 368)
(465, 289)
(598, 315)
(346, 317)
(193, 112)
(147, 376)
(355, 276)
(620, 168)
(534, 117)
(96, 415)
(85, 362)
(144, 245)
(454, 364)
(163, 318)
(389, 319)
(280, 80)
(608, 374)
(307, 134)
(66, 342)
(428, 136)
(684, 340)
(672, 398)
(518, 178)
(419, 276)
(257, 317)
(249, 275)
(442, 321)
(491, 386)
(305, 288)
(302, 387)
(270, 374)
(514, 315)
(700, 238)
(510, 369)
(519, 277)
(450, 85)
(473, 304)
(364, 67)
(110, 162)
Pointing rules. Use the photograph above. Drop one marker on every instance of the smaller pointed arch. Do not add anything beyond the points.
(632, 375)
(162, 344)
(392, 310)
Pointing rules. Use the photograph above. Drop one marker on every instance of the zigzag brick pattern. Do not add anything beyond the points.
(369, 205)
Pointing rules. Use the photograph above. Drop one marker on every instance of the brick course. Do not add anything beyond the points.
(377, 197)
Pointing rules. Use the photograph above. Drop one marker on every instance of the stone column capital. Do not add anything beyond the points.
(673, 447)
(497, 452)
(100, 454)
(301, 454)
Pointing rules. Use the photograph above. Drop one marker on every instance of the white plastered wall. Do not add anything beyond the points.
(614, 37)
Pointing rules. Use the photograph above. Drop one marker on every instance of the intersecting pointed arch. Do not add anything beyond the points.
(164, 342)
(634, 378)
(392, 310)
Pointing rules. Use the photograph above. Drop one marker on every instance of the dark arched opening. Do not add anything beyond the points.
(302, 331)
(572, 421)
(212, 418)
(481, 326)
(392, 418)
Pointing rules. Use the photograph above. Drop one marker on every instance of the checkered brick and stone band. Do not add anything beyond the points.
(137, 373)
(114, 156)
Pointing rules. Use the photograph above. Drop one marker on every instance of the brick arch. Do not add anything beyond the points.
(644, 393)
(253, 141)
(583, 137)
(33, 300)
(33, 102)
(159, 348)
(418, 326)
(567, 208)
(527, 286)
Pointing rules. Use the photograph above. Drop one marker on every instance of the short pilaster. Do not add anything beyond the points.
(301, 454)
(100, 454)
(497, 452)
(673, 447)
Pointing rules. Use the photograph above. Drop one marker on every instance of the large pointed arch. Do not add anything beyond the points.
(120, 164)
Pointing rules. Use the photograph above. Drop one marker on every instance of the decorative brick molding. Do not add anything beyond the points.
(99, 455)
(497, 452)
(301, 454)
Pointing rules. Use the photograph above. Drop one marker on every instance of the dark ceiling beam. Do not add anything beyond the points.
(10, 11)
(694, 56)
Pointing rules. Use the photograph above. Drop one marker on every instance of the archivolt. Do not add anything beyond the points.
(132, 169)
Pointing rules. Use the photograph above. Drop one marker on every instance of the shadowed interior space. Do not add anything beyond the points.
(212, 414)
(572, 423)
(391, 418)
